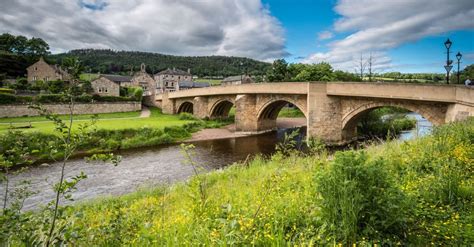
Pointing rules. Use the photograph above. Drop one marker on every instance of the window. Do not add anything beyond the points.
(100, 90)
(35, 78)
(106, 90)
(36, 68)
(46, 78)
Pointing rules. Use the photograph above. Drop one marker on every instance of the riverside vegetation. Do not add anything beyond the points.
(417, 192)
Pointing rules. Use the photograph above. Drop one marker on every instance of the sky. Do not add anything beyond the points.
(400, 35)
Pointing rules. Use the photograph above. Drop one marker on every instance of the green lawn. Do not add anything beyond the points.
(89, 76)
(114, 121)
(214, 82)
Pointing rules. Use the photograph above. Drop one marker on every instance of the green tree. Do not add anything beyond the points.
(279, 71)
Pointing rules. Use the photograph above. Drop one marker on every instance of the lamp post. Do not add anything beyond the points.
(458, 57)
(448, 65)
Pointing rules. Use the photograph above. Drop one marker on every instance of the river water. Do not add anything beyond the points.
(162, 165)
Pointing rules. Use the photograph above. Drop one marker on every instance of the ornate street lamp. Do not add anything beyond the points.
(448, 65)
(458, 57)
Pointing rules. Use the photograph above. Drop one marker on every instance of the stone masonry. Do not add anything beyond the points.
(332, 110)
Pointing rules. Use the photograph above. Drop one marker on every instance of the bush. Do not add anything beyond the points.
(359, 200)
(186, 116)
(6, 98)
(7, 91)
(85, 98)
(112, 99)
(51, 98)
(24, 99)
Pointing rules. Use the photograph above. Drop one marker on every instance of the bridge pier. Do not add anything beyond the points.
(246, 119)
(200, 105)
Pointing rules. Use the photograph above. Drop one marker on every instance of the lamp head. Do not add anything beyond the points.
(459, 56)
(448, 44)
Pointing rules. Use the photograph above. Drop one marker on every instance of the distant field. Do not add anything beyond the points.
(214, 82)
(109, 121)
(392, 79)
(89, 76)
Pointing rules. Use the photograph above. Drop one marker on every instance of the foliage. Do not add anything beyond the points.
(186, 116)
(291, 112)
(121, 62)
(397, 189)
(7, 91)
(6, 98)
(383, 122)
(359, 200)
(18, 52)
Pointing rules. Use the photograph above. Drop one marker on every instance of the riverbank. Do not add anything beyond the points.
(417, 193)
(228, 131)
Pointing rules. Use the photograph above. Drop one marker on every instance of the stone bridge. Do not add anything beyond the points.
(332, 110)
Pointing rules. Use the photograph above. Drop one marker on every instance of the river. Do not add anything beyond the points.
(141, 168)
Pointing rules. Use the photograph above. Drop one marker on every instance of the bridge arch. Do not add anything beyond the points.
(351, 119)
(186, 106)
(268, 113)
(221, 108)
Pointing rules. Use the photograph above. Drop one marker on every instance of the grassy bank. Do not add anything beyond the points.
(414, 193)
(112, 132)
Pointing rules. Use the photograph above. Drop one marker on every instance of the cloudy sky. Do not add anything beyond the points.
(402, 35)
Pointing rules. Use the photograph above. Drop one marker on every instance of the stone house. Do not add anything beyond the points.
(168, 80)
(43, 71)
(237, 80)
(144, 80)
(109, 85)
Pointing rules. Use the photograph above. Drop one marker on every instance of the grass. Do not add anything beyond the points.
(89, 76)
(288, 112)
(213, 82)
(108, 121)
(280, 201)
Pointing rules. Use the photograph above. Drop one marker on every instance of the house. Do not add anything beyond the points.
(237, 80)
(167, 80)
(184, 85)
(144, 80)
(43, 71)
(109, 85)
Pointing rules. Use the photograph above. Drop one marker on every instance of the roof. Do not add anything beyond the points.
(56, 68)
(117, 78)
(173, 72)
(234, 78)
(192, 84)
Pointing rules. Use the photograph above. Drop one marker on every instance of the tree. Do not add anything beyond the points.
(360, 66)
(279, 71)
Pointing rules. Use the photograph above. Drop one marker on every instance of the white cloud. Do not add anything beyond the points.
(377, 26)
(181, 27)
(325, 35)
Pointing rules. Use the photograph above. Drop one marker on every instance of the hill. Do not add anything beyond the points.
(110, 61)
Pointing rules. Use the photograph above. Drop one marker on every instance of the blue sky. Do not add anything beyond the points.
(303, 20)
(400, 35)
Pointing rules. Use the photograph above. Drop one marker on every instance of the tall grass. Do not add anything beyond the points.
(414, 193)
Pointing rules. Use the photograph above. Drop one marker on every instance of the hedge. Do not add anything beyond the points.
(7, 90)
(6, 98)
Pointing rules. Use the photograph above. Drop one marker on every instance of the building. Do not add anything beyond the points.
(237, 80)
(109, 85)
(144, 80)
(184, 85)
(42, 71)
(168, 80)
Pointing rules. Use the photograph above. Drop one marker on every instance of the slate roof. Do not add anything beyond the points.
(173, 72)
(118, 78)
(193, 84)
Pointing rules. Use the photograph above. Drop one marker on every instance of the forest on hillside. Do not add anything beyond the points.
(115, 62)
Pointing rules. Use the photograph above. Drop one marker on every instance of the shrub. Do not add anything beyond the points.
(359, 200)
(186, 116)
(85, 98)
(112, 99)
(6, 98)
(24, 99)
(51, 98)
(7, 91)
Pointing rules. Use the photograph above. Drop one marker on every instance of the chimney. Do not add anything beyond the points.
(174, 69)
(189, 71)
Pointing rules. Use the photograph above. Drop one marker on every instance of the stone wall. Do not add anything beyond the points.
(92, 108)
